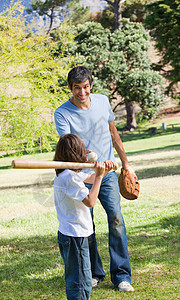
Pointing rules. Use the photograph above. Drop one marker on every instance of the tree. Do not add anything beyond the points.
(163, 23)
(117, 5)
(120, 65)
(117, 8)
(29, 84)
(77, 14)
(105, 18)
(135, 10)
(46, 8)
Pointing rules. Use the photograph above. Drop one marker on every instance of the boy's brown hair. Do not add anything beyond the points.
(69, 148)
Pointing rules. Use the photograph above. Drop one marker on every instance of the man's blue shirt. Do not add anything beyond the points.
(91, 125)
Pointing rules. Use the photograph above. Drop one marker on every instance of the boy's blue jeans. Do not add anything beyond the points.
(120, 270)
(78, 276)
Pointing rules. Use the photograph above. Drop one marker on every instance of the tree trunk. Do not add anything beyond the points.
(117, 12)
(130, 109)
(131, 119)
(51, 20)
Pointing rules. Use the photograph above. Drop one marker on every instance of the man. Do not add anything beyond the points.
(91, 118)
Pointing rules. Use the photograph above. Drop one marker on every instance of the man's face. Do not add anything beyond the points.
(81, 92)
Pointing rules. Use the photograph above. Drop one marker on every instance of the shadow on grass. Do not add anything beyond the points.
(151, 151)
(34, 185)
(172, 223)
(24, 152)
(5, 167)
(33, 267)
(157, 172)
(155, 243)
(45, 180)
(160, 242)
(140, 134)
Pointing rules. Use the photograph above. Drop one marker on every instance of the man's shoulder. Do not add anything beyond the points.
(99, 97)
(63, 109)
(100, 100)
(64, 105)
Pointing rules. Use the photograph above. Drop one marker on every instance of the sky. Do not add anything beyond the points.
(94, 5)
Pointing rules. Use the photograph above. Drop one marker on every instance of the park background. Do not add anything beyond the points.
(34, 67)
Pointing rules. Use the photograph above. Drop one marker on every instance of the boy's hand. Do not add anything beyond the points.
(99, 168)
(109, 165)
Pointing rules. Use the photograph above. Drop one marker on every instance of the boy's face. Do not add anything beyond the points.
(81, 92)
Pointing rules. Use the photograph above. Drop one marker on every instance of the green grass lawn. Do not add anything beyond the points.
(31, 266)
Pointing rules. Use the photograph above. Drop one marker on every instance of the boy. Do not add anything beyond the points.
(72, 201)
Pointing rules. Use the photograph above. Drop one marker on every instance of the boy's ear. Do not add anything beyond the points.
(91, 85)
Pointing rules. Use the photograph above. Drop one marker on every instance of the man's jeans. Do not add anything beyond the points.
(78, 276)
(109, 197)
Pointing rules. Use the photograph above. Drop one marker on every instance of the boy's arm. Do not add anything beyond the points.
(91, 198)
(101, 169)
(90, 179)
(109, 165)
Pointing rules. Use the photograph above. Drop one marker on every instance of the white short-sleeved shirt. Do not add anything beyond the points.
(91, 125)
(74, 216)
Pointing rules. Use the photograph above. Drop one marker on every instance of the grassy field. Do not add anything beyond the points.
(31, 266)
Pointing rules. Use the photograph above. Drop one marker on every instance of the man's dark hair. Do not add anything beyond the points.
(70, 148)
(79, 74)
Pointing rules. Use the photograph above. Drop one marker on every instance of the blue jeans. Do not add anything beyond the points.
(120, 270)
(78, 276)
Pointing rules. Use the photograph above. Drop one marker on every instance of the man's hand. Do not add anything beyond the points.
(109, 165)
(130, 169)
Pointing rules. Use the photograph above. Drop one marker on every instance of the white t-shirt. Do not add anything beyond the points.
(74, 216)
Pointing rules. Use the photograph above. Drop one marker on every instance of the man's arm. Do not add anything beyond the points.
(62, 126)
(117, 143)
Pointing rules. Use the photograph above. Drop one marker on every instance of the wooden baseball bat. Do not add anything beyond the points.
(40, 164)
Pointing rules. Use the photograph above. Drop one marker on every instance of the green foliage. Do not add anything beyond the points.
(135, 10)
(119, 62)
(143, 85)
(64, 38)
(93, 43)
(133, 41)
(46, 8)
(77, 14)
(163, 21)
(43, 7)
(29, 85)
(105, 18)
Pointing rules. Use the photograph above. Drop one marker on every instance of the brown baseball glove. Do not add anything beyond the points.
(128, 184)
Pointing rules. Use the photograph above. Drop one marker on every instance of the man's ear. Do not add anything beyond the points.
(91, 85)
